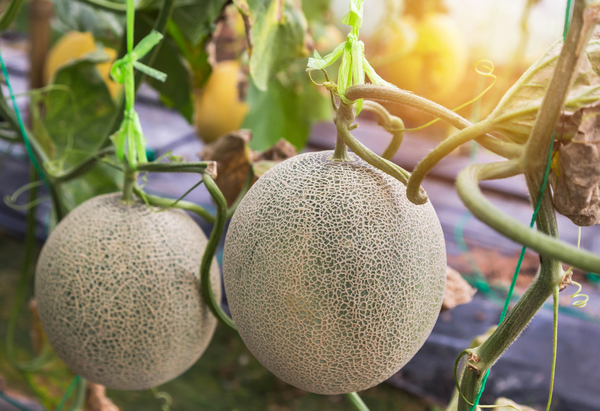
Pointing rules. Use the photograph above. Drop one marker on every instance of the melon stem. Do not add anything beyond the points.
(343, 119)
(128, 183)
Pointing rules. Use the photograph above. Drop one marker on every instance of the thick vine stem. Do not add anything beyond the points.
(344, 118)
(201, 167)
(581, 27)
(467, 185)
(546, 282)
(209, 253)
(395, 95)
(437, 154)
(391, 124)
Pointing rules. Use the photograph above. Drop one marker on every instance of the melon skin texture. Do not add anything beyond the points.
(334, 279)
(118, 292)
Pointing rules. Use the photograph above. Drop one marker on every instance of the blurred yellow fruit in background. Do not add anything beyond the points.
(427, 56)
(219, 109)
(74, 45)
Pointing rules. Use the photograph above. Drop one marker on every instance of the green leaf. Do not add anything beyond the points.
(517, 111)
(176, 91)
(106, 27)
(278, 31)
(197, 20)
(76, 115)
(288, 109)
(315, 9)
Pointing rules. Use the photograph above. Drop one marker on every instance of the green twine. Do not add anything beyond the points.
(38, 169)
(68, 393)
(14, 403)
(21, 125)
(533, 217)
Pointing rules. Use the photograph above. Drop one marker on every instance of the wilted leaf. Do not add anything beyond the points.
(518, 109)
(77, 117)
(234, 159)
(278, 33)
(505, 402)
(576, 180)
(288, 109)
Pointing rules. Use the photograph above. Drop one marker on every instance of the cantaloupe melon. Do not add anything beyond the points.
(119, 295)
(333, 277)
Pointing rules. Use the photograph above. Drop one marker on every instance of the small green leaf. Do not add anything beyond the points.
(317, 62)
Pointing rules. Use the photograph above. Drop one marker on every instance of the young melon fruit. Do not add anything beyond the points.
(74, 45)
(119, 295)
(333, 277)
(219, 109)
(436, 62)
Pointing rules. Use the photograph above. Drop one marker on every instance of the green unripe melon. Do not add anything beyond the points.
(333, 277)
(118, 292)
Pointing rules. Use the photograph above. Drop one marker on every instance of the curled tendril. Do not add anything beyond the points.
(166, 397)
(577, 294)
(482, 67)
(329, 85)
(11, 201)
(568, 273)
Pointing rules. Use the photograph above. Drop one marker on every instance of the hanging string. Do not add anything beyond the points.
(533, 217)
(21, 125)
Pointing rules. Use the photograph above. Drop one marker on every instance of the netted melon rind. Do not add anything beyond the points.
(118, 293)
(333, 277)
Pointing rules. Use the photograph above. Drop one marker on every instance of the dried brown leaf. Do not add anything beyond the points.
(457, 291)
(576, 180)
(234, 159)
(97, 399)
